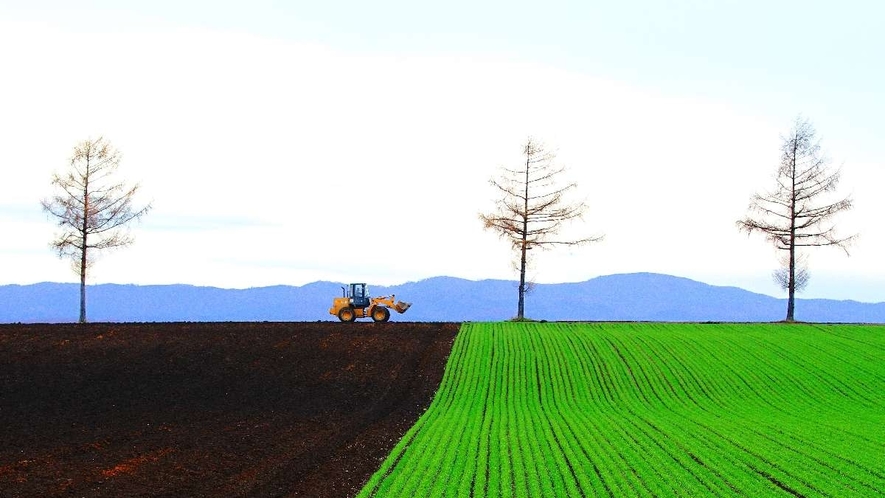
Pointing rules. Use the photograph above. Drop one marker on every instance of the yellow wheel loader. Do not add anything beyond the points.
(356, 303)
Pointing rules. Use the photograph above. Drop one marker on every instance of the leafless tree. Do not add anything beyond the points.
(91, 208)
(799, 212)
(532, 209)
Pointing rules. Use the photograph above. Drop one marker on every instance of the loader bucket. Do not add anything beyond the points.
(402, 306)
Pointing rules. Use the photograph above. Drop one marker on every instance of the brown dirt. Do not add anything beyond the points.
(209, 409)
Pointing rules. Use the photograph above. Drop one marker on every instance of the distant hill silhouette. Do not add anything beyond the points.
(634, 296)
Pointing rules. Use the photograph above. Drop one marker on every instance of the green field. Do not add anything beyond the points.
(650, 409)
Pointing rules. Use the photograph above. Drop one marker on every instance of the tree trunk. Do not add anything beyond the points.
(83, 287)
(791, 285)
(84, 231)
(791, 282)
(520, 307)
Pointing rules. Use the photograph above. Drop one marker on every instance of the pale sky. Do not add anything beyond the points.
(283, 143)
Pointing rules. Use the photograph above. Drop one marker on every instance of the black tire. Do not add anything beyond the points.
(380, 314)
(346, 314)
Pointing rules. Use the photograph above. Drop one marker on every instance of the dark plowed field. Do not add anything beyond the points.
(209, 409)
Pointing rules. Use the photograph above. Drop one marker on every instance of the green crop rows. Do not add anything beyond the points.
(567, 409)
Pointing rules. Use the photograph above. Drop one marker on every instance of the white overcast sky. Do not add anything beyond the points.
(289, 142)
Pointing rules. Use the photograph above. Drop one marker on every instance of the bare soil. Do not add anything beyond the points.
(209, 409)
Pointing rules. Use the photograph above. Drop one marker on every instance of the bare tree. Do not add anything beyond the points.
(532, 209)
(91, 208)
(798, 213)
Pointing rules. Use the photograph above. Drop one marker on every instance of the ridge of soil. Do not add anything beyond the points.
(264, 409)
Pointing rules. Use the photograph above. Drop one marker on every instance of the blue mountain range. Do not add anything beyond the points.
(623, 297)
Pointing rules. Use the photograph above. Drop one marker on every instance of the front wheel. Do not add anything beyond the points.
(346, 314)
(380, 314)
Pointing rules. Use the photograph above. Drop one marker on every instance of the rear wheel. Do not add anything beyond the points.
(346, 314)
(380, 314)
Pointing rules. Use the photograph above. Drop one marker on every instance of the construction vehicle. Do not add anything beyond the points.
(355, 302)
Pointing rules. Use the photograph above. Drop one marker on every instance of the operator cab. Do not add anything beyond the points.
(358, 294)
